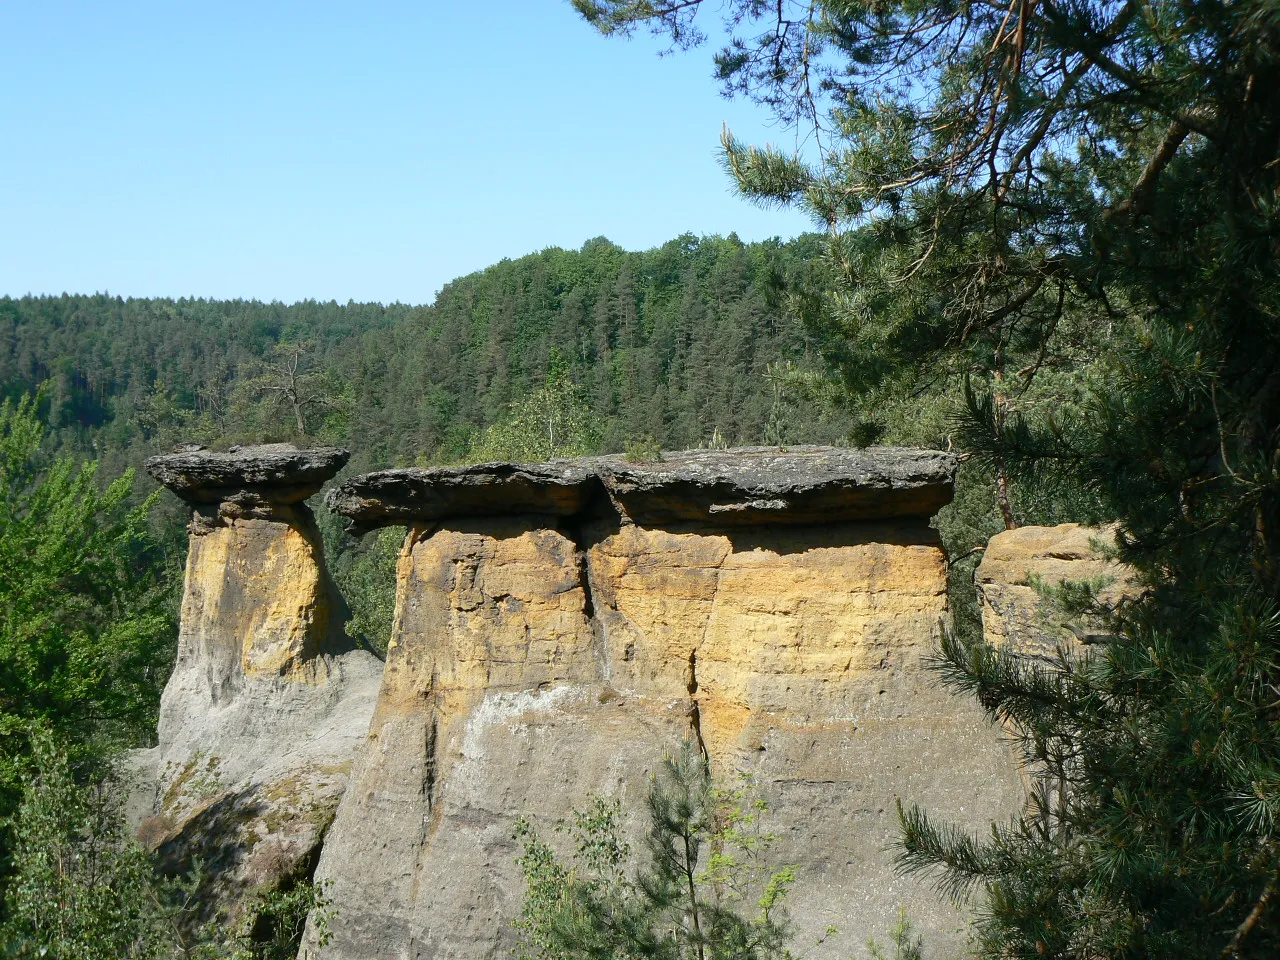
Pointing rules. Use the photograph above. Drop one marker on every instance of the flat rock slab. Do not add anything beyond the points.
(412, 495)
(796, 485)
(742, 486)
(274, 473)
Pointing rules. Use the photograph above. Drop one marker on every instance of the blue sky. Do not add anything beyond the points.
(366, 151)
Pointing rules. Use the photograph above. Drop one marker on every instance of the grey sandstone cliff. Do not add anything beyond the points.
(559, 627)
(268, 703)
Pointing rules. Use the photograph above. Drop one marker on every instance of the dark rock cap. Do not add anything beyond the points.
(271, 473)
(794, 485)
(743, 486)
(411, 495)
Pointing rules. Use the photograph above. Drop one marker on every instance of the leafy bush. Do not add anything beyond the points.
(86, 633)
(81, 888)
(366, 575)
(644, 449)
(551, 422)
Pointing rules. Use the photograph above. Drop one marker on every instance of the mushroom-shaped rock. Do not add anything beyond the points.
(268, 474)
(268, 701)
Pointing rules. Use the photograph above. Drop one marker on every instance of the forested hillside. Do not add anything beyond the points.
(674, 344)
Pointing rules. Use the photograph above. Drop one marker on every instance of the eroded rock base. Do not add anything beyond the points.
(534, 664)
(266, 708)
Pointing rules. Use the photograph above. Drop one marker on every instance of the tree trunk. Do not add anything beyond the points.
(999, 400)
(297, 414)
(693, 897)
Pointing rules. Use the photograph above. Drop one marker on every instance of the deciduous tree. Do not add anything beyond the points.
(86, 633)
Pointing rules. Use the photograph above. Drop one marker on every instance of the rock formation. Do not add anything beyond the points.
(747, 486)
(1016, 616)
(560, 627)
(268, 702)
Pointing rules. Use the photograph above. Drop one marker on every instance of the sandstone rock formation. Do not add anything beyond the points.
(1014, 613)
(560, 627)
(268, 701)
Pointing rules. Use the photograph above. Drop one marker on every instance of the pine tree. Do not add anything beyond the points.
(1064, 215)
(700, 893)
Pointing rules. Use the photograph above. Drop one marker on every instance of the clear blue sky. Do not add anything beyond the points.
(366, 151)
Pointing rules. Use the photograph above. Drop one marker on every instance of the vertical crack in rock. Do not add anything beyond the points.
(432, 809)
(695, 712)
(598, 518)
(431, 747)
(599, 646)
(430, 769)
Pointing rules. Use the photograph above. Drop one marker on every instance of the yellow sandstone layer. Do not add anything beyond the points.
(531, 667)
(256, 589)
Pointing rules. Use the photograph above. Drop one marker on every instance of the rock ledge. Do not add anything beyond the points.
(273, 473)
(746, 485)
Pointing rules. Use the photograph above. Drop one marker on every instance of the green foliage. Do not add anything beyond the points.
(86, 635)
(903, 940)
(717, 441)
(646, 449)
(366, 576)
(1052, 232)
(552, 421)
(283, 397)
(273, 926)
(702, 891)
(81, 887)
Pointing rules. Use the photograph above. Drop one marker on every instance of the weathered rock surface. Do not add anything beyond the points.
(272, 473)
(761, 485)
(560, 627)
(747, 486)
(1014, 614)
(268, 702)
(414, 495)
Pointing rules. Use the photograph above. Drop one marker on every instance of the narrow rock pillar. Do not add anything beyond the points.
(257, 600)
(268, 701)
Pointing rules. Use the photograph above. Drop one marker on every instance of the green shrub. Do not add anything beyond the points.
(702, 892)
